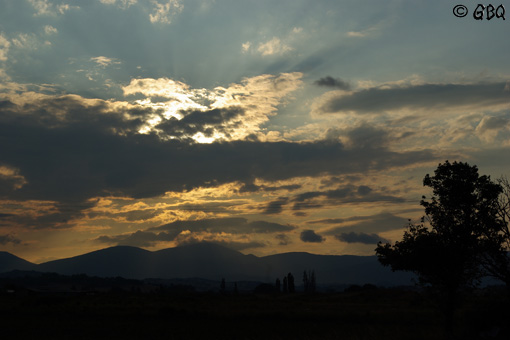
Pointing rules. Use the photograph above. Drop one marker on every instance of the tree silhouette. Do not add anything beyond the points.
(306, 282)
(496, 261)
(290, 282)
(278, 285)
(309, 281)
(285, 285)
(460, 213)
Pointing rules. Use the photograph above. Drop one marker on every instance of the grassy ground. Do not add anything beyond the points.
(377, 314)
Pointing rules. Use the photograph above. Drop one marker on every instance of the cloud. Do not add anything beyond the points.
(5, 239)
(120, 3)
(163, 12)
(275, 207)
(138, 238)
(345, 194)
(430, 97)
(364, 224)
(232, 113)
(209, 123)
(250, 187)
(49, 30)
(4, 47)
(88, 148)
(311, 236)
(13, 176)
(232, 225)
(353, 237)
(491, 127)
(283, 240)
(329, 81)
(272, 47)
(235, 245)
(44, 7)
(104, 61)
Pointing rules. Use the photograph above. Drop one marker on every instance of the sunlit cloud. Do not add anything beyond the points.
(120, 3)
(45, 7)
(49, 30)
(273, 47)
(164, 10)
(224, 113)
(4, 47)
(105, 61)
(12, 175)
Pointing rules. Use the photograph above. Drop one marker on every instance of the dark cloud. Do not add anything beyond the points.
(353, 237)
(283, 240)
(311, 236)
(250, 187)
(427, 96)
(233, 225)
(366, 136)
(142, 215)
(363, 190)
(70, 150)
(4, 239)
(346, 194)
(365, 224)
(138, 238)
(235, 245)
(334, 181)
(291, 187)
(332, 82)
(275, 207)
(56, 215)
(208, 123)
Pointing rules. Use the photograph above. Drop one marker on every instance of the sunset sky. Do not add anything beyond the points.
(265, 126)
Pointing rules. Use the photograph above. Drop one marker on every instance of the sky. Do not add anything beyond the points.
(263, 126)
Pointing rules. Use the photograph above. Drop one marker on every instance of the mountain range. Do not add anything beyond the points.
(213, 262)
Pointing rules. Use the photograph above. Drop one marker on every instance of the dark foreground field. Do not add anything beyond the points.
(374, 314)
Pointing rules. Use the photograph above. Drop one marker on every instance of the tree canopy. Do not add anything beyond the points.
(460, 230)
(445, 249)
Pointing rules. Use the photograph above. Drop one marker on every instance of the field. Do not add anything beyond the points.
(365, 314)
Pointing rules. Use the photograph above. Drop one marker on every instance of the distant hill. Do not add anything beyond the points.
(213, 262)
(10, 262)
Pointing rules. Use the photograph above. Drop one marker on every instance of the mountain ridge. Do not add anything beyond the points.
(212, 261)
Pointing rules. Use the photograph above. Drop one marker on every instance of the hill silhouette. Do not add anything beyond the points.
(10, 262)
(212, 261)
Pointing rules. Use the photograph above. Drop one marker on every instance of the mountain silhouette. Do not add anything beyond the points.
(10, 262)
(213, 262)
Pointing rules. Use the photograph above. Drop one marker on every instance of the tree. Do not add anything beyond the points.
(306, 282)
(447, 248)
(496, 261)
(309, 281)
(285, 285)
(290, 282)
(278, 285)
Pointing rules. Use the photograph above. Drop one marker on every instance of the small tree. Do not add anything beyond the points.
(278, 285)
(312, 282)
(461, 213)
(285, 285)
(290, 282)
(309, 281)
(306, 282)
